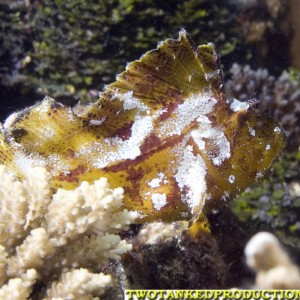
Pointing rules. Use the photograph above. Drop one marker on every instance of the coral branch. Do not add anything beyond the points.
(19, 288)
(78, 284)
(58, 233)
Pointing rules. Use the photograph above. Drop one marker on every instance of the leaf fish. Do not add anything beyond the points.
(164, 131)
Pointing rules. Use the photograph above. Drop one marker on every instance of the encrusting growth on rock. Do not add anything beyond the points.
(275, 269)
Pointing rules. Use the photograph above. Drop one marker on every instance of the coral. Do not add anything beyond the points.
(78, 284)
(46, 234)
(279, 96)
(13, 213)
(274, 268)
(164, 131)
(31, 253)
(19, 288)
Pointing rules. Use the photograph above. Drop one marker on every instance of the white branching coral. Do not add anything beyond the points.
(39, 197)
(81, 213)
(14, 209)
(19, 288)
(78, 284)
(68, 235)
(31, 253)
(275, 269)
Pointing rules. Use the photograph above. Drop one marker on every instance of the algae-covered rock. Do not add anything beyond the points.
(165, 256)
(275, 204)
(70, 49)
(160, 259)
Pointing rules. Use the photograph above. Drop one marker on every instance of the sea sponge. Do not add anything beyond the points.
(45, 234)
(275, 269)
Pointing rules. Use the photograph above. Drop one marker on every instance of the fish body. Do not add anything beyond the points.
(164, 131)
